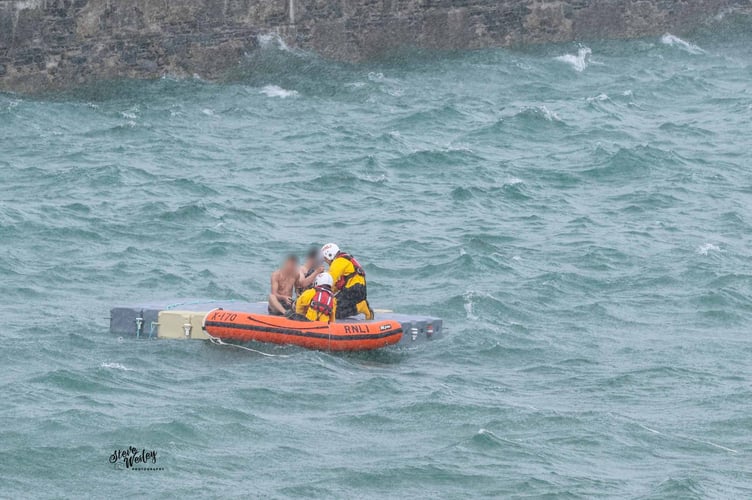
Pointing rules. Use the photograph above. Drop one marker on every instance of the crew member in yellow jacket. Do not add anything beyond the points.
(349, 282)
(318, 303)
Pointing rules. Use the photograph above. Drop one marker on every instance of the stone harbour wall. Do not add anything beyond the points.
(49, 44)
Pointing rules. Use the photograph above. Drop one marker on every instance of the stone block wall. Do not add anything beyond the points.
(48, 44)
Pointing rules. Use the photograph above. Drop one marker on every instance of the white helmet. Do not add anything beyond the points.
(324, 279)
(330, 251)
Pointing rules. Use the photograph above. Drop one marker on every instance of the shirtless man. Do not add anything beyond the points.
(290, 277)
(284, 281)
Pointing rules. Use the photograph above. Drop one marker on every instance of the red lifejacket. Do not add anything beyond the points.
(359, 271)
(322, 301)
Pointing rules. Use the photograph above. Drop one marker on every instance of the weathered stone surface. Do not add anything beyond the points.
(57, 43)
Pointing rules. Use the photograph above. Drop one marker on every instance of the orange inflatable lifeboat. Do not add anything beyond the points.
(354, 336)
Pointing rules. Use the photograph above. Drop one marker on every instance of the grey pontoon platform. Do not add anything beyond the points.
(183, 319)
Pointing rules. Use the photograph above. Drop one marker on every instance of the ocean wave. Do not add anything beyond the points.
(632, 162)
(706, 248)
(129, 114)
(469, 306)
(446, 113)
(277, 91)
(273, 40)
(598, 98)
(116, 366)
(675, 41)
(547, 114)
(10, 104)
(482, 305)
(429, 158)
(580, 61)
(686, 129)
(537, 113)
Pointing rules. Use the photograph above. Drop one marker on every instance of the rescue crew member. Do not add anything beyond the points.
(349, 282)
(318, 303)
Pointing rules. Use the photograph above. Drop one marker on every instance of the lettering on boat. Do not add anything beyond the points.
(356, 329)
(220, 315)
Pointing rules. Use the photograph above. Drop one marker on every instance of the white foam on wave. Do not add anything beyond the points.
(461, 147)
(548, 114)
(396, 92)
(272, 40)
(541, 110)
(470, 297)
(707, 248)
(208, 112)
(116, 366)
(376, 179)
(13, 103)
(277, 91)
(469, 309)
(675, 41)
(578, 61)
(599, 97)
(485, 432)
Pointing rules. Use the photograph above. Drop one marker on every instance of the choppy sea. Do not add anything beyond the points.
(580, 216)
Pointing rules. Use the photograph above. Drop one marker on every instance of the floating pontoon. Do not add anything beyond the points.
(188, 319)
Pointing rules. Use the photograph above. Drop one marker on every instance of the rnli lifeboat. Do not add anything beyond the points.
(350, 336)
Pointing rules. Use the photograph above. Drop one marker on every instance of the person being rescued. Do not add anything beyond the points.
(283, 283)
(318, 303)
(288, 278)
(349, 282)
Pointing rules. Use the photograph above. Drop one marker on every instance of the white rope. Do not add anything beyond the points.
(199, 302)
(218, 341)
(676, 436)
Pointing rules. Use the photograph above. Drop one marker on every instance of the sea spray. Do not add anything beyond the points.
(675, 41)
(580, 61)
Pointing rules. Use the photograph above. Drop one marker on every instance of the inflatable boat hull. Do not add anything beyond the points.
(245, 327)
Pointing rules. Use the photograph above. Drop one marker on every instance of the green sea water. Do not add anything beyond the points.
(579, 215)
